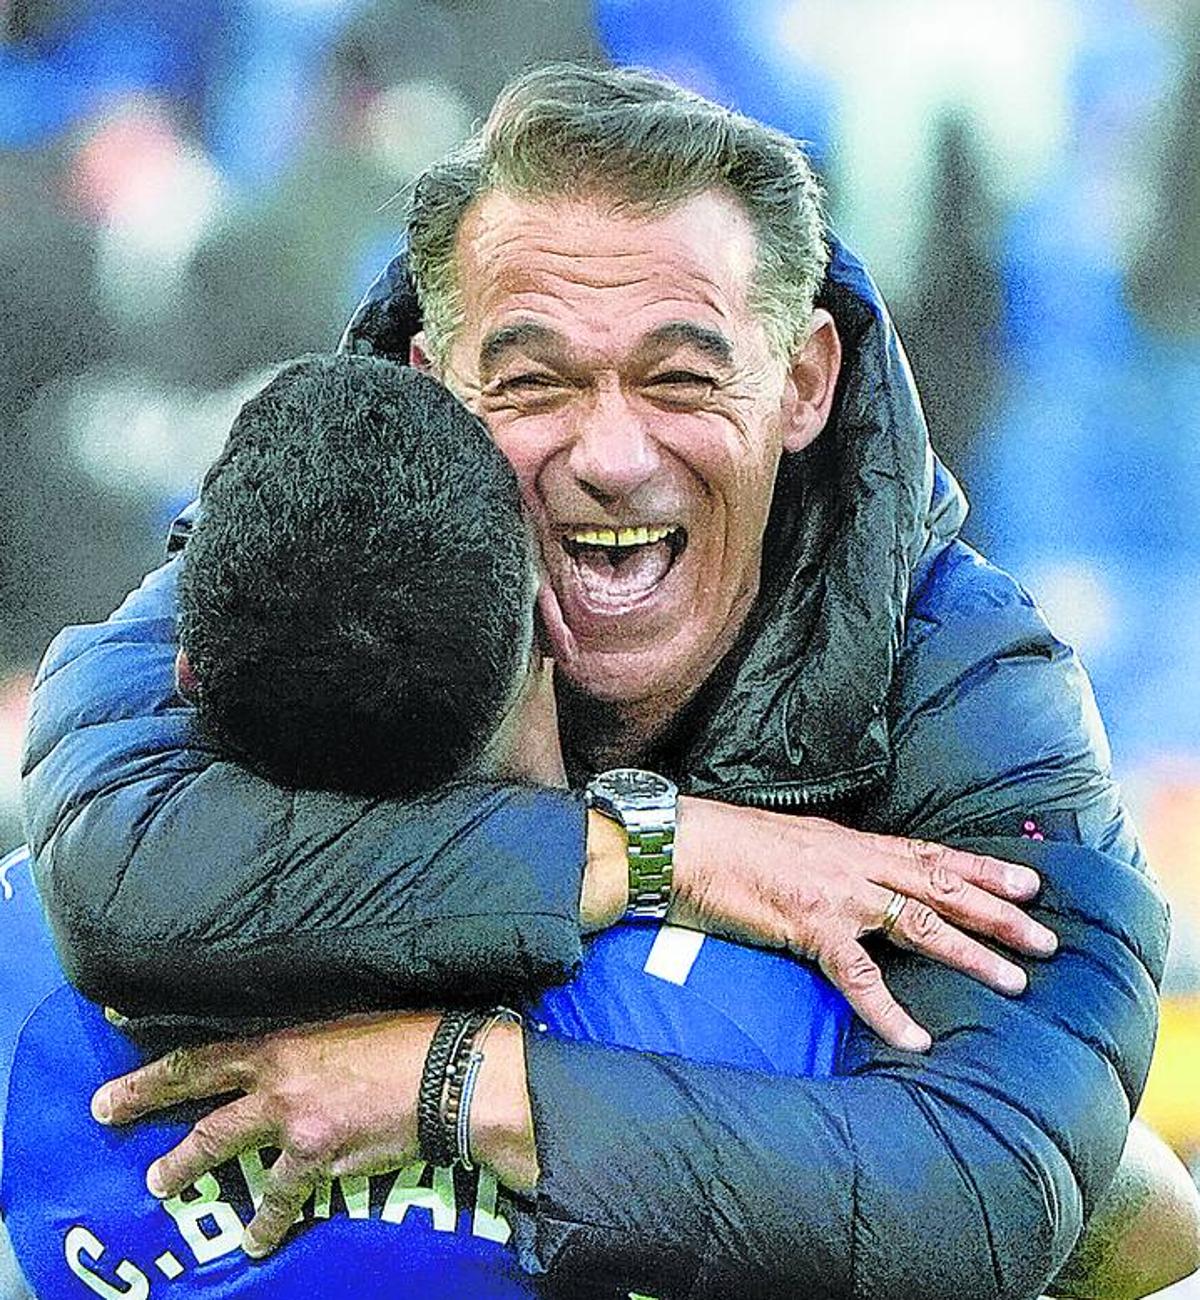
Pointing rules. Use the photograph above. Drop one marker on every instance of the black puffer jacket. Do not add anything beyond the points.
(891, 678)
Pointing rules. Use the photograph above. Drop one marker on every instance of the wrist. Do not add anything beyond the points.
(605, 892)
(501, 1118)
(689, 835)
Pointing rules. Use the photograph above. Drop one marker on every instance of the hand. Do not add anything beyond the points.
(336, 1098)
(816, 888)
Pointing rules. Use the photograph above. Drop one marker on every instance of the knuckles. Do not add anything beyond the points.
(856, 970)
(921, 923)
(176, 1068)
(945, 885)
(304, 1128)
(208, 1139)
(312, 1140)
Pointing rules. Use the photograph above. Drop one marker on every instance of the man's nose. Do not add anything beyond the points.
(612, 452)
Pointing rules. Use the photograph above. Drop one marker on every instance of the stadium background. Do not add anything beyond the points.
(191, 190)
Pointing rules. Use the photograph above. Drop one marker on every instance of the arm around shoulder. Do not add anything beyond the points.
(177, 882)
(1000, 748)
(969, 1170)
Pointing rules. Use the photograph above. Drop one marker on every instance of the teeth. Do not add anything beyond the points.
(619, 536)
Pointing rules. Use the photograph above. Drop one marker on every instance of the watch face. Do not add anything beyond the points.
(632, 784)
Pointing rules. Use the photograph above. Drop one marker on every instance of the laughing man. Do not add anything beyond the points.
(755, 588)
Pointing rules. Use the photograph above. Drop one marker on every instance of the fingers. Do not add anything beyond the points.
(850, 967)
(219, 1137)
(963, 888)
(186, 1074)
(920, 929)
(289, 1184)
(1005, 879)
(214, 1139)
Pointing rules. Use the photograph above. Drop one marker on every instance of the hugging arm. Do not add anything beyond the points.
(661, 1175)
(970, 1170)
(179, 883)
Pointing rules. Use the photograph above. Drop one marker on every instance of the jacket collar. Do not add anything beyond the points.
(800, 705)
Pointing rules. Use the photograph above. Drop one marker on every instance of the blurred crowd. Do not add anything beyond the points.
(192, 190)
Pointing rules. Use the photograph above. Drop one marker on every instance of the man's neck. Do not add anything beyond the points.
(599, 734)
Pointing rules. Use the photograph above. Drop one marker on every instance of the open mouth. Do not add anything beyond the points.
(616, 568)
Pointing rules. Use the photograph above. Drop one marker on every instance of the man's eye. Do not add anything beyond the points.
(533, 381)
(683, 379)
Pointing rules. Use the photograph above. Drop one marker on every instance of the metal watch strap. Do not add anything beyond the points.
(644, 804)
(651, 854)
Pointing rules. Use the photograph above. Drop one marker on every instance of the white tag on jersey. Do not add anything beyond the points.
(673, 953)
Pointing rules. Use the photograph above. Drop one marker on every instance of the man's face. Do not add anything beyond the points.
(621, 371)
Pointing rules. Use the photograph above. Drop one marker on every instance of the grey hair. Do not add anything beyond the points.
(568, 130)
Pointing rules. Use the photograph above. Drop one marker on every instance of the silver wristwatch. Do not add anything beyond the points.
(644, 804)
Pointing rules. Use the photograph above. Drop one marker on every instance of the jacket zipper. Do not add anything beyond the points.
(797, 797)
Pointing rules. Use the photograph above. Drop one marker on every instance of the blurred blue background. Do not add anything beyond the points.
(191, 190)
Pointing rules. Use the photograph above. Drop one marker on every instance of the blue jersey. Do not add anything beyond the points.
(28, 966)
(82, 1223)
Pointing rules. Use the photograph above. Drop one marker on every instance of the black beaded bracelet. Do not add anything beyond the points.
(454, 1078)
(448, 1084)
(435, 1146)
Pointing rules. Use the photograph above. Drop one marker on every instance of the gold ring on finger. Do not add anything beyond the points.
(891, 913)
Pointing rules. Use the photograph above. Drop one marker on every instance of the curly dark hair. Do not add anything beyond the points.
(356, 596)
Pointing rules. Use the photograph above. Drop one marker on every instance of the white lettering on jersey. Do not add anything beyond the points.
(486, 1222)
(205, 1207)
(80, 1242)
(6, 865)
(407, 1194)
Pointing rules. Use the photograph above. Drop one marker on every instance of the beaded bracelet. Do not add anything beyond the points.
(433, 1144)
(454, 1078)
(448, 1081)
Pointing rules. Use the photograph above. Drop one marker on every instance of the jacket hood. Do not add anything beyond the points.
(799, 706)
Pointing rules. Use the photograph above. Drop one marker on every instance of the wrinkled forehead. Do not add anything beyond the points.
(600, 259)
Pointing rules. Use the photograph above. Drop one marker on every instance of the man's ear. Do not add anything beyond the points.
(185, 676)
(419, 355)
(808, 398)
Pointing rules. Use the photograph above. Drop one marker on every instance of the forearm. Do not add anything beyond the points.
(964, 1172)
(671, 1178)
(668, 1177)
(179, 883)
(1144, 1234)
(395, 912)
